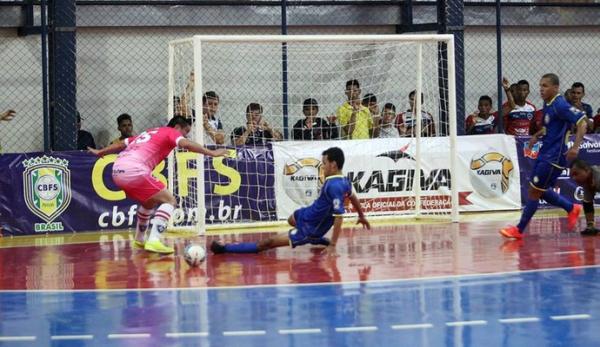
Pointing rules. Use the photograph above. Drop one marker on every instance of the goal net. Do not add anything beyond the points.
(279, 101)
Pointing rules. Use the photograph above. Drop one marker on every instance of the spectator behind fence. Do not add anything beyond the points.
(517, 112)
(577, 94)
(257, 131)
(370, 101)
(125, 126)
(84, 138)
(7, 116)
(482, 121)
(213, 128)
(387, 128)
(354, 118)
(406, 121)
(313, 127)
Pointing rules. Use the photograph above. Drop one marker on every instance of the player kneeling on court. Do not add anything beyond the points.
(588, 177)
(132, 172)
(313, 222)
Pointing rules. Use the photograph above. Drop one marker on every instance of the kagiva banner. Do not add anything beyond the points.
(383, 173)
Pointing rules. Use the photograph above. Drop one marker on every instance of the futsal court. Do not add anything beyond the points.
(401, 284)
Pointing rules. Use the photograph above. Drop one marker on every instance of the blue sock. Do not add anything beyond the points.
(551, 197)
(244, 247)
(530, 207)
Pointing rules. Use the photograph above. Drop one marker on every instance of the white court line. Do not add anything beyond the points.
(244, 333)
(419, 280)
(519, 320)
(17, 338)
(412, 326)
(355, 329)
(571, 317)
(568, 252)
(466, 323)
(193, 334)
(71, 337)
(128, 336)
(299, 331)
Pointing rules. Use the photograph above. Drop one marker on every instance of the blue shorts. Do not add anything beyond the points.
(544, 175)
(304, 233)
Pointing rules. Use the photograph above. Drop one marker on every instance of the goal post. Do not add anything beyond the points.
(277, 79)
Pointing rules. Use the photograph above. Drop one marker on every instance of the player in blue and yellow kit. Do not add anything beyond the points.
(313, 222)
(552, 159)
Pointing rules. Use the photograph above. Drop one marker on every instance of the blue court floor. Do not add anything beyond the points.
(558, 307)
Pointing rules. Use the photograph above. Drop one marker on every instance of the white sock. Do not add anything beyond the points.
(143, 215)
(159, 221)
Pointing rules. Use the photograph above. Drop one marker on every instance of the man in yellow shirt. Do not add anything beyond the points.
(355, 119)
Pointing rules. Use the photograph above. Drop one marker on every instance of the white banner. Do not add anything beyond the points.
(383, 173)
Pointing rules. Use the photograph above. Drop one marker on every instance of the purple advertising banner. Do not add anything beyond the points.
(588, 151)
(74, 191)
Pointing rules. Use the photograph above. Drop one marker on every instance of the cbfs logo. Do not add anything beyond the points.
(47, 189)
(490, 174)
(302, 180)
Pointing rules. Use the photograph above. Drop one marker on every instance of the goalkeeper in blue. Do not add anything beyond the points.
(552, 159)
(588, 177)
(313, 222)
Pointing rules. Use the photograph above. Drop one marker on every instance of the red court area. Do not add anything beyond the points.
(391, 252)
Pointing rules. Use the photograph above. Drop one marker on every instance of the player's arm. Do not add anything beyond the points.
(337, 229)
(361, 216)
(114, 148)
(588, 209)
(535, 137)
(510, 98)
(198, 148)
(581, 130)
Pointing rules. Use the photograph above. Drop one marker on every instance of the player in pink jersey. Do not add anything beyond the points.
(132, 172)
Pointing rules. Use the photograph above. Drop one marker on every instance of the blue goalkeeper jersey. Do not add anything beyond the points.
(317, 218)
(559, 115)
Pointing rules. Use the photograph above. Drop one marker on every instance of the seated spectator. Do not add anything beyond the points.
(313, 127)
(482, 121)
(84, 138)
(406, 121)
(125, 126)
(257, 131)
(567, 95)
(370, 101)
(387, 128)
(597, 121)
(517, 112)
(577, 94)
(213, 128)
(355, 118)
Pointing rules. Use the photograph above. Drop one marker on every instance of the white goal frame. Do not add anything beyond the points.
(197, 42)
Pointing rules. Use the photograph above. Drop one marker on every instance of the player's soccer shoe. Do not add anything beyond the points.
(157, 247)
(217, 248)
(573, 217)
(511, 232)
(138, 244)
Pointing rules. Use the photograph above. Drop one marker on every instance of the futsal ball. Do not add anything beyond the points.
(194, 254)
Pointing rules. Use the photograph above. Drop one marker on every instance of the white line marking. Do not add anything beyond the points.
(244, 333)
(71, 337)
(412, 326)
(568, 252)
(355, 329)
(128, 336)
(299, 331)
(466, 323)
(17, 338)
(349, 283)
(194, 334)
(571, 316)
(519, 320)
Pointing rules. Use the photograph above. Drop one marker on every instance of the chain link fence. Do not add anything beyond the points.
(122, 57)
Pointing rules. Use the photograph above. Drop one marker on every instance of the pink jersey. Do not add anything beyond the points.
(150, 147)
